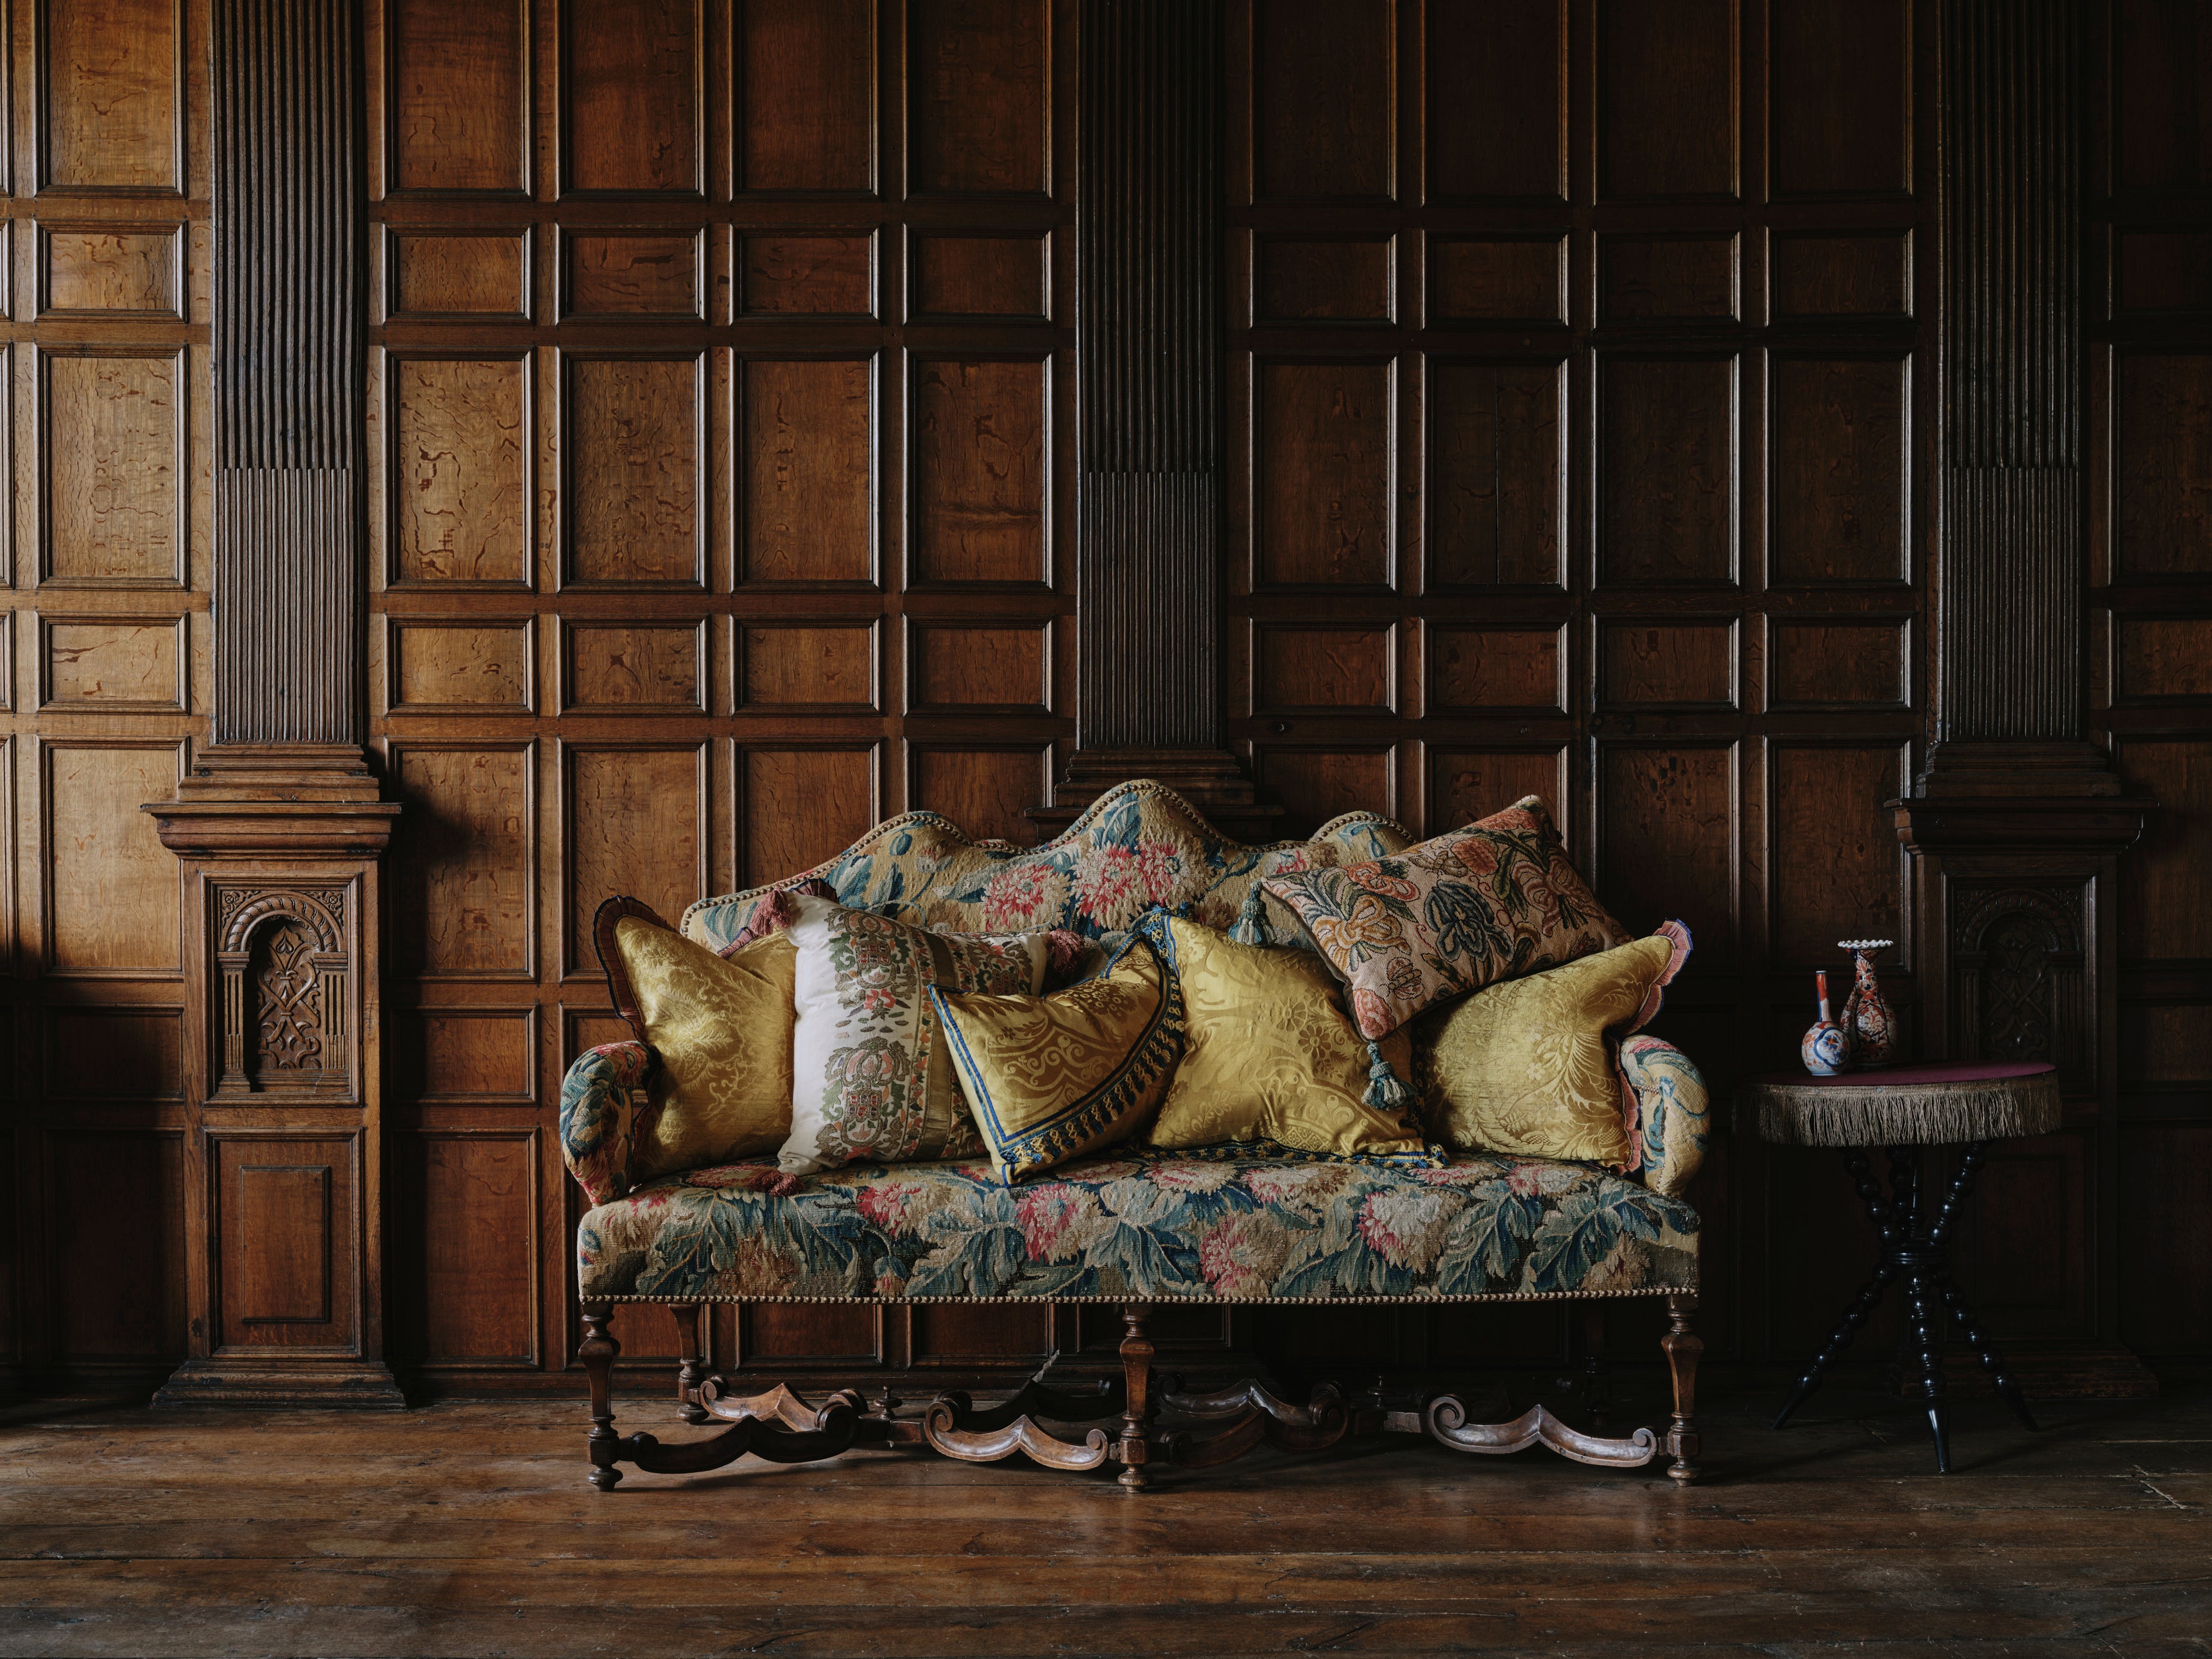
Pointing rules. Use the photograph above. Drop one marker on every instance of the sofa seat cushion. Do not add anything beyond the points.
(1142, 1227)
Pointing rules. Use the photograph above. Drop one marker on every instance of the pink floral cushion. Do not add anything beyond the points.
(1493, 901)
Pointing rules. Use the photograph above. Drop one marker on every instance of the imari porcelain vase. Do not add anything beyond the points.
(1866, 1018)
(1826, 1049)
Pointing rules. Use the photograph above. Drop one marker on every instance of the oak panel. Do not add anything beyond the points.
(634, 668)
(113, 445)
(789, 1333)
(1666, 98)
(1322, 92)
(655, 274)
(1842, 98)
(1822, 274)
(283, 1210)
(826, 667)
(1474, 669)
(806, 95)
(484, 667)
(633, 821)
(2157, 658)
(108, 886)
(799, 274)
(590, 1031)
(113, 664)
(982, 789)
(134, 272)
(976, 667)
(1496, 99)
(1688, 664)
(631, 83)
(1322, 507)
(978, 91)
(1343, 279)
(2166, 1043)
(1316, 785)
(2166, 1236)
(454, 276)
(1350, 670)
(116, 1053)
(1468, 784)
(978, 472)
(2160, 126)
(465, 1270)
(1497, 474)
(472, 1056)
(459, 471)
(1680, 278)
(457, 97)
(116, 1204)
(1667, 842)
(1838, 869)
(798, 808)
(950, 1334)
(109, 80)
(2166, 880)
(808, 473)
(1840, 470)
(967, 274)
(1838, 662)
(2162, 466)
(1519, 279)
(2163, 272)
(464, 862)
(636, 488)
(1667, 462)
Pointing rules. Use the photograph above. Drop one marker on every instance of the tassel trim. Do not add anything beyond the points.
(1251, 926)
(1871, 1116)
(1386, 1089)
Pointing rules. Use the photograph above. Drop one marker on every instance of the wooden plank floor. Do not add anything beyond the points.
(466, 1528)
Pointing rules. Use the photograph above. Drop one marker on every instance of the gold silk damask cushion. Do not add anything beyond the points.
(871, 1076)
(1493, 901)
(1051, 1078)
(1269, 1055)
(722, 1028)
(1531, 1067)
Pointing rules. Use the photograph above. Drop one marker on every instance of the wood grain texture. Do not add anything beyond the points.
(2162, 465)
(631, 81)
(633, 821)
(110, 78)
(1666, 841)
(486, 666)
(1843, 94)
(1315, 785)
(1498, 279)
(1323, 472)
(1678, 278)
(985, 790)
(2162, 271)
(799, 806)
(134, 271)
(1353, 670)
(113, 1054)
(978, 472)
(1685, 665)
(2159, 658)
(1667, 468)
(637, 485)
(107, 886)
(444, 276)
(975, 667)
(807, 95)
(979, 276)
(1322, 74)
(118, 1197)
(1819, 274)
(283, 1208)
(2165, 891)
(1845, 872)
(457, 97)
(459, 471)
(1840, 470)
(1838, 662)
(468, 1274)
(978, 96)
(1667, 99)
(1476, 669)
(1497, 92)
(646, 274)
(1465, 785)
(120, 667)
(471, 1055)
(811, 668)
(112, 448)
(1497, 470)
(789, 274)
(1337, 279)
(464, 904)
(809, 475)
(634, 668)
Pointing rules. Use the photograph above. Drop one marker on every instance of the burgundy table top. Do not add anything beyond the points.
(1921, 1075)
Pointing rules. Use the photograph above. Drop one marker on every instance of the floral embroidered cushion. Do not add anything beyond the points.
(1493, 901)
(719, 1027)
(1531, 1067)
(870, 1075)
(1051, 1078)
(1270, 1056)
(775, 912)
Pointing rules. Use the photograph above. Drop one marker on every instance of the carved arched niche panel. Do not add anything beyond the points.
(2018, 968)
(286, 966)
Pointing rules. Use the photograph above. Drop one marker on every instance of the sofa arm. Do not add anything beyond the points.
(599, 1114)
(1671, 1111)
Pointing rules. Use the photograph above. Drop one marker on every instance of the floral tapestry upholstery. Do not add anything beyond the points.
(1143, 1227)
(1139, 845)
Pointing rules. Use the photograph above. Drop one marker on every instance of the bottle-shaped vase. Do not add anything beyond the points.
(1867, 1015)
(1826, 1049)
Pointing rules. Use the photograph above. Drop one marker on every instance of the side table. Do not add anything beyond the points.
(1901, 1107)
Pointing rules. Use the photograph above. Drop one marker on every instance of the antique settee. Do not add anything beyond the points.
(1134, 1229)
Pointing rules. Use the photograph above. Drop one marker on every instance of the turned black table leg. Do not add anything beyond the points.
(1954, 1301)
(1869, 1296)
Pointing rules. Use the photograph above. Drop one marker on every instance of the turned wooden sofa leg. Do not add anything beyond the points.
(1137, 1400)
(691, 1363)
(1683, 1347)
(599, 1353)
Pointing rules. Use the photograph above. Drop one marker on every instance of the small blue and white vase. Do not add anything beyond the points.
(1826, 1049)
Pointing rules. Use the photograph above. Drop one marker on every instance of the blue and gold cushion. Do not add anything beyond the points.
(1051, 1078)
